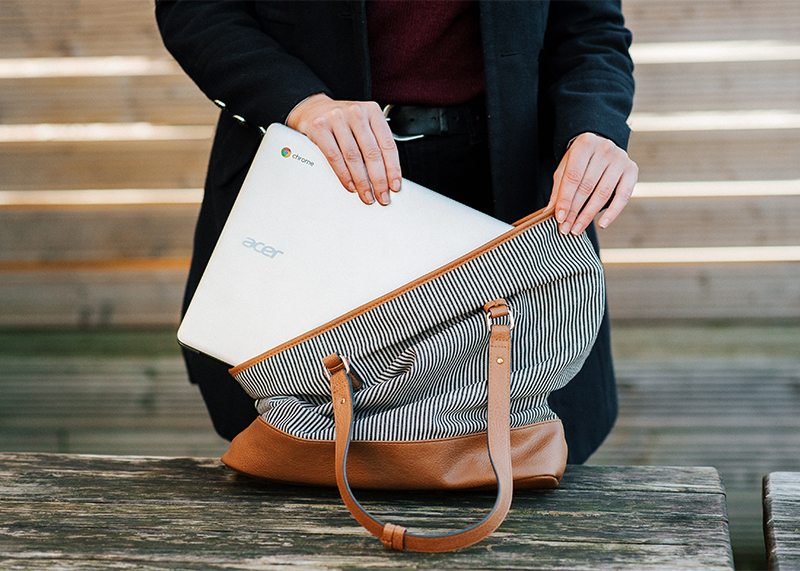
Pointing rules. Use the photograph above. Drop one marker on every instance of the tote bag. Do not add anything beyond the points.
(441, 384)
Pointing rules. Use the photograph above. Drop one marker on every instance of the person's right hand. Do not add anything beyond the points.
(355, 138)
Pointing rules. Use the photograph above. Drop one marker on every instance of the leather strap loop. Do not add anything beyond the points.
(499, 442)
(393, 536)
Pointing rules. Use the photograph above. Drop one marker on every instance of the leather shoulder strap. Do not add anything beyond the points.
(499, 442)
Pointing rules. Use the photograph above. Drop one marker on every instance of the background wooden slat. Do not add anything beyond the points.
(160, 99)
(96, 232)
(669, 88)
(693, 222)
(92, 298)
(717, 155)
(78, 28)
(757, 291)
(693, 20)
(104, 164)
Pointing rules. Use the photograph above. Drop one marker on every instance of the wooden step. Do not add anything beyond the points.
(159, 99)
(102, 294)
(766, 290)
(707, 221)
(149, 292)
(103, 405)
(51, 28)
(669, 88)
(717, 155)
(690, 20)
(84, 233)
(104, 164)
(110, 232)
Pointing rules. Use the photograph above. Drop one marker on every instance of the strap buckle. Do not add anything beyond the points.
(386, 111)
(498, 308)
(330, 371)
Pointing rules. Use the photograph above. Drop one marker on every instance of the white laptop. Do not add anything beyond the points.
(298, 251)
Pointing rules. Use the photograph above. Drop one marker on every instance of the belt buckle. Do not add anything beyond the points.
(386, 111)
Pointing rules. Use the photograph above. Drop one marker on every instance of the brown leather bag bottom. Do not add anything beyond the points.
(538, 454)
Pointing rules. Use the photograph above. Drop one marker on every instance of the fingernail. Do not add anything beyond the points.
(369, 197)
(385, 198)
(351, 187)
(561, 215)
(604, 223)
(396, 185)
(564, 228)
(577, 229)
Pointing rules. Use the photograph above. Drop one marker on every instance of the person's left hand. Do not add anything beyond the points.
(591, 171)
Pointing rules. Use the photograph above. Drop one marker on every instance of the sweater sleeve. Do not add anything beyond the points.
(225, 51)
(590, 73)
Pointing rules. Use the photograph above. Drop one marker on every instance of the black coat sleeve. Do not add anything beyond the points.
(588, 70)
(223, 47)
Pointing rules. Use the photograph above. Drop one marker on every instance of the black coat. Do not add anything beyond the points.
(553, 70)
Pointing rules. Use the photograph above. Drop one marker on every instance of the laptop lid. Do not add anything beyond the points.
(298, 251)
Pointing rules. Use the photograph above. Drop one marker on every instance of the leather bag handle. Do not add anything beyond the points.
(498, 435)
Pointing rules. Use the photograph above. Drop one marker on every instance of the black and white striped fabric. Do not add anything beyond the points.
(422, 356)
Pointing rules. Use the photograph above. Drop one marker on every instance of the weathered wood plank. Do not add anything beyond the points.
(104, 164)
(667, 88)
(193, 512)
(161, 99)
(96, 232)
(690, 20)
(782, 520)
(52, 28)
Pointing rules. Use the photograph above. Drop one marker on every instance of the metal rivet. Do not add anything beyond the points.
(500, 361)
(342, 401)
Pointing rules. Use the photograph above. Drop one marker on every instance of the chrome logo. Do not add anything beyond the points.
(286, 152)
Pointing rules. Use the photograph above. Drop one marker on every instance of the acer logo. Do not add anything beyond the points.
(261, 248)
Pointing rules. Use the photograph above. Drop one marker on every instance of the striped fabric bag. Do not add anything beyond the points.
(442, 384)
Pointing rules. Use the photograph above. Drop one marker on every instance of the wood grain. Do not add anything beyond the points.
(690, 20)
(766, 290)
(53, 28)
(669, 88)
(159, 99)
(716, 155)
(104, 164)
(782, 520)
(82, 233)
(69, 512)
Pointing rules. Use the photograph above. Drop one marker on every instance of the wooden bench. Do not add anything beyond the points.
(75, 512)
(782, 520)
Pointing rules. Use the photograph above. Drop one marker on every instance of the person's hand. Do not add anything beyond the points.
(355, 138)
(591, 171)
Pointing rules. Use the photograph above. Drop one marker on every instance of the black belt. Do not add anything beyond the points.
(409, 122)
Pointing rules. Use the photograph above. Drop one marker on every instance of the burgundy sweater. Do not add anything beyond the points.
(425, 52)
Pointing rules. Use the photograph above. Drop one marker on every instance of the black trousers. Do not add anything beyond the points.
(458, 167)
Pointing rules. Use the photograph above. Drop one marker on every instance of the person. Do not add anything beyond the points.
(506, 106)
